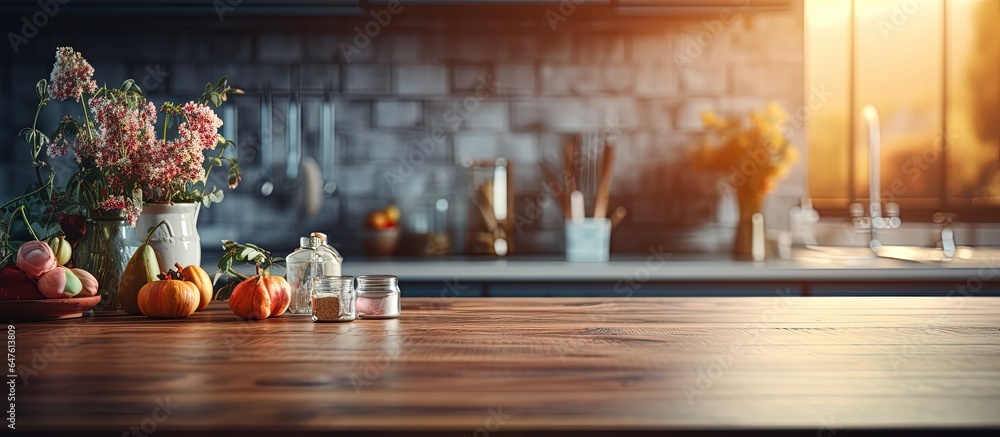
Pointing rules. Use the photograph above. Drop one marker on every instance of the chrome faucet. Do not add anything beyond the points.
(875, 219)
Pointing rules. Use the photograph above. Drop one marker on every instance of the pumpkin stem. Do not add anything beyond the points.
(178, 265)
(170, 274)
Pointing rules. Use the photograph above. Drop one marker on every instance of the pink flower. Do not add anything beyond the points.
(120, 134)
(128, 210)
(167, 166)
(132, 214)
(57, 147)
(114, 203)
(202, 124)
(72, 76)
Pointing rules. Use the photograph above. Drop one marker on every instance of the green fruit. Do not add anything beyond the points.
(61, 248)
(140, 270)
(73, 285)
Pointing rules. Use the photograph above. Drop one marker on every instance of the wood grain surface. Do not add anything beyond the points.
(494, 366)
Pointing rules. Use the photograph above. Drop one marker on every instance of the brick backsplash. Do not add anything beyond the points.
(533, 86)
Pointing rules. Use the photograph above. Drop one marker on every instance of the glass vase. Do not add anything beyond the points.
(104, 251)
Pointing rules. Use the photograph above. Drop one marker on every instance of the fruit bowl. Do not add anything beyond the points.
(380, 242)
(46, 309)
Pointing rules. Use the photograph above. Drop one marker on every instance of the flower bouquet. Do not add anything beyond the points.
(756, 153)
(123, 160)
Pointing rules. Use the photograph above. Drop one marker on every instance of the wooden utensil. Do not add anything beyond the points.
(569, 168)
(604, 186)
(617, 216)
(484, 200)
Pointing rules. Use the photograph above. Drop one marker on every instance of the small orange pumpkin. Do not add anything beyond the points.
(260, 297)
(199, 277)
(169, 297)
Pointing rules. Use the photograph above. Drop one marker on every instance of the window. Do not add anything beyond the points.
(931, 68)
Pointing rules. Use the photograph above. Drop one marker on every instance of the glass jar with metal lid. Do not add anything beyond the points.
(333, 299)
(378, 297)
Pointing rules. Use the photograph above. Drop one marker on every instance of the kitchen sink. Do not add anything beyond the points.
(964, 255)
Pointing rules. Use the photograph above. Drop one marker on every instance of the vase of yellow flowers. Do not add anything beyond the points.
(751, 154)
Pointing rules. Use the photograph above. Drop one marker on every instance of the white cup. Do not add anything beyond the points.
(588, 240)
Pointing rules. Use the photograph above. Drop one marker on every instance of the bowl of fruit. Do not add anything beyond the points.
(381, 235)
(40, 287)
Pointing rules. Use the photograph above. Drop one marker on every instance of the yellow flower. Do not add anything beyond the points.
(776, 113)
(729, 141)
(710, 119)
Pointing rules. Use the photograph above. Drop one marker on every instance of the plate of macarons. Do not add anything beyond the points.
(40, 286)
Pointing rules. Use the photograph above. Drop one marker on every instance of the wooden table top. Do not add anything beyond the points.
(482, 366)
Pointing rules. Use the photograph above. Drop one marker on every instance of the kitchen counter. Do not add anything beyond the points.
(806, 366)
(658, 266)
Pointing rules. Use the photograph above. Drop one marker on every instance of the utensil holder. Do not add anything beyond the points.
(588, 240)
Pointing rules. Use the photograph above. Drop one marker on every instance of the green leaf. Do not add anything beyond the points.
(42, 88)
(250, 253)
(235, 176)
(228, 265)
(216, 100)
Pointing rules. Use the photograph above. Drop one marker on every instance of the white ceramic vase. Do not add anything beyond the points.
(177, 241)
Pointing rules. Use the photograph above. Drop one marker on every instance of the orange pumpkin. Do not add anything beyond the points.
(169, 298)
(199, 277)
(260, 297)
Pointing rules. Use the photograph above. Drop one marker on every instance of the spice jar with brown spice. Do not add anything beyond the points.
(333, 299)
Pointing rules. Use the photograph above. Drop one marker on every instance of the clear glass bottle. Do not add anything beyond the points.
(332, 268)
(309, 261)
(378, 297)
(333, 299)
